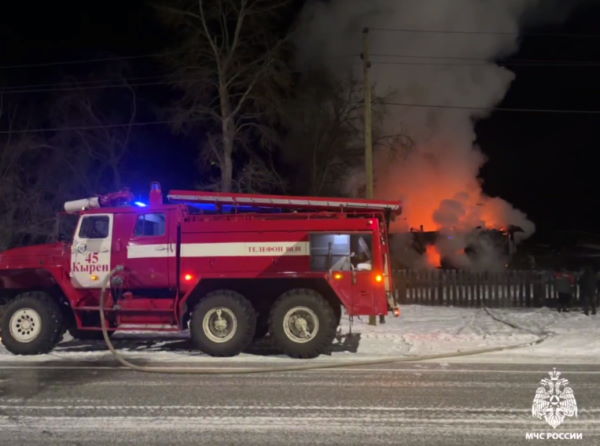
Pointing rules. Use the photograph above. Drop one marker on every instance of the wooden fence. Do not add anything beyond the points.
(465, 288)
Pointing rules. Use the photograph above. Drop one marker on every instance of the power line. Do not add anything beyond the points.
(399, 104)
(500, 109)
(383, 29)
(480, 32)
(489, 63)
(106, 83)
(435, 31)
(420, 56)
(90, 127)
(160, 80)
(90, 87)
(85, 61)
(82, 83)
(544, 62)
(426, 64)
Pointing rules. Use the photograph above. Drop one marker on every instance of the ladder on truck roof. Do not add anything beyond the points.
(284, 201)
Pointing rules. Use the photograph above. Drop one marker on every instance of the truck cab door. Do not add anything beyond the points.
(148, 253)
(91, 251)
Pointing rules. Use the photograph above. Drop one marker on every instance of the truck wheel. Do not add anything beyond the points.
(32, 324)
(223, 323)
(302, 323)
(337, 311)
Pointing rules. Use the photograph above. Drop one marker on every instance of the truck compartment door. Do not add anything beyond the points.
(349, 260)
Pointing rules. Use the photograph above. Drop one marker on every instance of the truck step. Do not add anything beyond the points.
(125, 310)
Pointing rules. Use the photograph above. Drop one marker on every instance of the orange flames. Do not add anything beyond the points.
(433, 256)
(439, 189)
(426, 211)
(437, 182)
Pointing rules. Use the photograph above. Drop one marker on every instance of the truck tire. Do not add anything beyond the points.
(223, 323)
(337, 311)
(32, 324)
(302, 323)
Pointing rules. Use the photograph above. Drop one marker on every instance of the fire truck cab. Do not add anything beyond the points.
(228, 267)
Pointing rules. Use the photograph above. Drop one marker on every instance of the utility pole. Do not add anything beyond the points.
(368, 115)
(368, 131)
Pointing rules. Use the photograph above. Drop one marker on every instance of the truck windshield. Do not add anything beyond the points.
(95, 226)
(150, 225)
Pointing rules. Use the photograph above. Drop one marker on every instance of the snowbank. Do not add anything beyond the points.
(420, 330)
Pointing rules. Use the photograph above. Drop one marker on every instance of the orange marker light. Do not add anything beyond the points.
(188, 277)
(378, 278)
(338, 276)
(94, 277)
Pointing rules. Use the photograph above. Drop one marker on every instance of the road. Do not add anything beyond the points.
(410, 404)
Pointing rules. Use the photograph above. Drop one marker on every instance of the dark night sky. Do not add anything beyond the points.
(547, 165)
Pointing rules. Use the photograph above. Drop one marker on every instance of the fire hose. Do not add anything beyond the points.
(291, 368)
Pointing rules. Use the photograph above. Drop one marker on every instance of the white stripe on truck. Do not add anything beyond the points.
(228, 249)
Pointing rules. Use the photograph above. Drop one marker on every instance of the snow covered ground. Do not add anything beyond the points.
(421, 330)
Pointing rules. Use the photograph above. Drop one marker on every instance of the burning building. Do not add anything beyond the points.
(477, 234)
(479, 249)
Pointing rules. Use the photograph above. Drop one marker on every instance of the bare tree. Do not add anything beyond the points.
(41, 170)
(324, 136)
(92, 146)
(325, 142)
(25, 204)
(230, 70)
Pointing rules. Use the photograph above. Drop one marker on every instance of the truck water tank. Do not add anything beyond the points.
(81, 205)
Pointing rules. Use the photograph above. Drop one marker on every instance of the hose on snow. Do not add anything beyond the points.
(288, 368)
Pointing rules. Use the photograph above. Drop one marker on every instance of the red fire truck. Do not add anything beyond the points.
(230, 267)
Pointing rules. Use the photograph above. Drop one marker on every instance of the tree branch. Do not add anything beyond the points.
(209, 37)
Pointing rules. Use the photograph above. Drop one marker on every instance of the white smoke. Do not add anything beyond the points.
(438, 179)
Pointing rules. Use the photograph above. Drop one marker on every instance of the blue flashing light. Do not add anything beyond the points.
(229, 208)
(203, 206)
(140, 204)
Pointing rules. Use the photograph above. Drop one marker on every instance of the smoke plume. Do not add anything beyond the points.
(437, 179)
